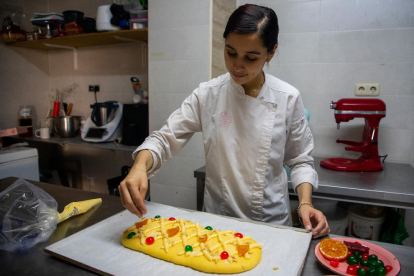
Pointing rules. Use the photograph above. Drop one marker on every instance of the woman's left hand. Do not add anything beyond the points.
(314, 220)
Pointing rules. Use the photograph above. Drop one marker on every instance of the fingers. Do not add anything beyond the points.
(138, 199)
(315, 218)
(322, 227)
(127, 201)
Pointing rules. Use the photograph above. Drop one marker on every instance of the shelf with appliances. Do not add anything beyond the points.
(85, 40)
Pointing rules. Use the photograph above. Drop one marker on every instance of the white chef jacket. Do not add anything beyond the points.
(246, 141)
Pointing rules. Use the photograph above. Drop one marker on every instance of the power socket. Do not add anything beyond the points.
(93, 88)
(367, 89)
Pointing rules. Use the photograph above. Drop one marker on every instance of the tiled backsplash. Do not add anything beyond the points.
(327, 46)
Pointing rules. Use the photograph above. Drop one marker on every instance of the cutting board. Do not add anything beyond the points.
(99, 248)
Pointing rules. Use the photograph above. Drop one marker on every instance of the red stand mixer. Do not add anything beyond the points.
(372, 110)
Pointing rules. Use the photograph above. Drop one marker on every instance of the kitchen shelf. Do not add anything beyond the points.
(85, 40)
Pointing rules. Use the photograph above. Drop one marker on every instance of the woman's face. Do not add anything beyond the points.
(245, 56)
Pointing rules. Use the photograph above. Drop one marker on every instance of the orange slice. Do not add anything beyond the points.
(330, 248)
(173, 231)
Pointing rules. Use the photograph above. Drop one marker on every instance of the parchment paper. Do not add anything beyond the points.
(99, 247)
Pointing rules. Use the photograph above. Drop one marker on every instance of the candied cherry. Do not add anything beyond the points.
(149, 240)
(171, 219)
(188, 248)
(224, 255)
(350, 253)
(388, 268)
(157, 217)
(361, 271)
(239, 235)
(365, 256)
(351, 270)
(334, 263)
(209, 228)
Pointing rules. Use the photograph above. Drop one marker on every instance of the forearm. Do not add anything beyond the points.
(143, 161)
(304, 192)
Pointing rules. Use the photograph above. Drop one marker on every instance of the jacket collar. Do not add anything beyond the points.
(266, 94)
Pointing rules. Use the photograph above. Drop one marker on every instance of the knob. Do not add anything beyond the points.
(333, 105)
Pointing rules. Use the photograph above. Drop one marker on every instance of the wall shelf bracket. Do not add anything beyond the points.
(75, 52)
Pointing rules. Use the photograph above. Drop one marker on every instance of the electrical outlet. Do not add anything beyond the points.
(90, 181)
(93, 88)
(367, 89)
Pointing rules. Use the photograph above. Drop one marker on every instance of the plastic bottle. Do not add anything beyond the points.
(25, 119)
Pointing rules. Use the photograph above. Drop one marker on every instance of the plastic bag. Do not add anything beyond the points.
(28, 215)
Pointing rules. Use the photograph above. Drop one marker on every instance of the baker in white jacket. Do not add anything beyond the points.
(252, 123)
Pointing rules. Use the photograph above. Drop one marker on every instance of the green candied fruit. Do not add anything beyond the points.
(157, 217)
(361, 272)
(381, 271)
(364, 262)
(130, 235)
(188, 248)
(209, 228)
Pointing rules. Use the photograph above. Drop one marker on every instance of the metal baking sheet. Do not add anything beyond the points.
(99, 248)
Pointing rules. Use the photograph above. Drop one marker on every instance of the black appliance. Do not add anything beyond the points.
(135, 124)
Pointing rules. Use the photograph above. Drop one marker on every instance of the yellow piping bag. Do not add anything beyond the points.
(77, 208)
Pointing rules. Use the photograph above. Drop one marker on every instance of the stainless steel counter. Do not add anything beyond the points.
(36, 262)
(73, 141)
(392, 187)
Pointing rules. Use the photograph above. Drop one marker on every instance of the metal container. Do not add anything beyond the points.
(66, 126)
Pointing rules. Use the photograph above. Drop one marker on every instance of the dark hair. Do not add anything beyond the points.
(249, 18)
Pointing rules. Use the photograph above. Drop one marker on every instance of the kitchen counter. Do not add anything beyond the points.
(36, 262)
(77, 140)
(392, 187)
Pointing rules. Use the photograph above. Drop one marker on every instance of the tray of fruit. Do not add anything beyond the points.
(348, 256)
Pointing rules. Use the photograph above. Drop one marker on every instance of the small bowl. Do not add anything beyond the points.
(66, 126)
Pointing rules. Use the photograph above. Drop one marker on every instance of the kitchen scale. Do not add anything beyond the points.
(104, 124)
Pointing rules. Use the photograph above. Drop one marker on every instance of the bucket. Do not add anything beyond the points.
(338, 221)
(361, 226)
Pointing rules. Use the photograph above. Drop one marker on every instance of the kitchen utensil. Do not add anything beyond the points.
(69, 109)
(139, 94)
(104, 124)
(103, 113)
(89, 25)
(387, 257)
(372, 110)
(103, 19)
(66, 126)
(42, 133)
(72, 16)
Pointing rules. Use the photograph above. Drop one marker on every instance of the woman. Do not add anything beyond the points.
(252, 123)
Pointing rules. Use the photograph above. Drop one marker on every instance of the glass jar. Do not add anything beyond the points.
(25, 119)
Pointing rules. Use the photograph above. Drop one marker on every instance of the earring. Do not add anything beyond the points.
(267, 64)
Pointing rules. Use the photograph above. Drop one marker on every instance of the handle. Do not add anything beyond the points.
(69, 109)
(36, 133)
(93, 117)
(56, 107)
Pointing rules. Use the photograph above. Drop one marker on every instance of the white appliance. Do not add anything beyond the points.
(19, 162)
(107, 132)
(103, 19)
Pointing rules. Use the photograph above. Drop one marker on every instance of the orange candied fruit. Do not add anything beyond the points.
(331, 248)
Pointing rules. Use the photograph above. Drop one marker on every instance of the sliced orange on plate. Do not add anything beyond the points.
(330, 248)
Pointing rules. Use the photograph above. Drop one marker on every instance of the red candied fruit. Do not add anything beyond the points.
(149, 240)
(224, 255)
(171, 219)
(239, 235)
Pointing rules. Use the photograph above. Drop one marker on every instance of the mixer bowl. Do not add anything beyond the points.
(66, 126)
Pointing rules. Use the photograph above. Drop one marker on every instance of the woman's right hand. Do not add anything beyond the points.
(135, 185)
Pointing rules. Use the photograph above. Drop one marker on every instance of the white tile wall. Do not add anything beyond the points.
(179, 59)
(327, 46)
